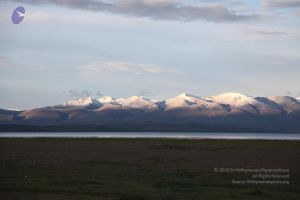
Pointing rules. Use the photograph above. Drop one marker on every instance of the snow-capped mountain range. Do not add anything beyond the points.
(185, 112)
(229, 102)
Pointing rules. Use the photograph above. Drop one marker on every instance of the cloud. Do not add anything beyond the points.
(141, 79)
(132, 68)
(270, 33)
(281, 3)
(6, 63)
(145, 93)
(3, 61)
(288, 60)
(83, 93)
(157, 9)
(38, 67)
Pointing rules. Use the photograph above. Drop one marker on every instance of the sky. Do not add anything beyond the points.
(155, 48)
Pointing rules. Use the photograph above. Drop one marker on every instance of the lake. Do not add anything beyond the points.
(170, 135)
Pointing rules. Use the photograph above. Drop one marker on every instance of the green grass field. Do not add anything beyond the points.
(143, 169)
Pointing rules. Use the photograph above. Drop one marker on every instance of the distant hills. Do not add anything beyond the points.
(227, 112)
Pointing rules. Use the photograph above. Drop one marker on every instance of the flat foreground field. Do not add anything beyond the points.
(146, 169)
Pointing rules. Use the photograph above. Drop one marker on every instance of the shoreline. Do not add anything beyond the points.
(156, 135)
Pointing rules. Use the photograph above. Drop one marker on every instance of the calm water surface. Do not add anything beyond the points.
(171, 135)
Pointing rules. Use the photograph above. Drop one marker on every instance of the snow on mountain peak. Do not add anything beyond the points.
(137, 102)
(106, 99)
(233, 95)
(187, 95)
(283, 99)
(226, 102)
(233, 99)
(83, 102)
(243, 103)
(289, 104)
(188, 100)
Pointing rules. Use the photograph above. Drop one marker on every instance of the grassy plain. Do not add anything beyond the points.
(143, 169)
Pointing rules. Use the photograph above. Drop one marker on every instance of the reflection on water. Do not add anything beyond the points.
(174, 135)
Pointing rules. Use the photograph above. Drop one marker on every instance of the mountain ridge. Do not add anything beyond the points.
(185, 112)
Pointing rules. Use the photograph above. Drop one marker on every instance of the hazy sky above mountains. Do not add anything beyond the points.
(155, 48)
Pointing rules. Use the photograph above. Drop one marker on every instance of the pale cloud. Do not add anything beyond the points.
(134, 78)
(269, 32)
(6, 63)
(77, 93)
(38, 67)
(284, 59)
(281, 3)
(133, 68)
(3, 61)
(158, 9)
(145, 93)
